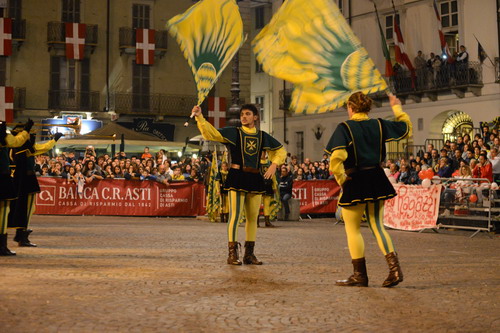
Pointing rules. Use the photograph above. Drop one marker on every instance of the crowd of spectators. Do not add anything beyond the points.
(145, 166)
(465, 157)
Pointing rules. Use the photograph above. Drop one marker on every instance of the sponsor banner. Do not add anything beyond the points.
(414, 208)
(120, 197)
(316, 196)
(148, 198)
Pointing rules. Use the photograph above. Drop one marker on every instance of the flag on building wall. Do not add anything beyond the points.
(385, 49)
(213, 190)
(444, 45)
(5, 37)
(209, 34)
(310, 44)
(145, 46)
(75, 40)
(217, 111)
(481, 53)
(7, 104)
(400, 50)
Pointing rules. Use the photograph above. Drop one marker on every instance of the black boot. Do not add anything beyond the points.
(395, 273)
(359, 278)
(268, 222)
(249, 258)
(258, 222)
(4, 250)
(222, 215)
(23, 239)
(19, 235)
(232, 258)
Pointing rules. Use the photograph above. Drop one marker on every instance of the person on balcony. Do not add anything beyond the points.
(356, 149)
(244, 180)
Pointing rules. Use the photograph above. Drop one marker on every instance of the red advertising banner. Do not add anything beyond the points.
(120, 197)
(414, 208)
(316, 196)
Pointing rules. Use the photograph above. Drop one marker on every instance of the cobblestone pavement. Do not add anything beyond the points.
(119, 274)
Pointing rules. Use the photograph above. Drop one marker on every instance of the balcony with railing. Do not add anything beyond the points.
(285, 99)
(455, 78)
(18, 32)
(152, 104)
(127, 41)
(56, 35)
(19, 98)
(74, 100)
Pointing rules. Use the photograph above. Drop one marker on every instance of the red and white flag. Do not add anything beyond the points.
(145, 46)
(444, 46)
(5, 37)
(75, 40)
(401, 56)
(217, 111)
(7, 104)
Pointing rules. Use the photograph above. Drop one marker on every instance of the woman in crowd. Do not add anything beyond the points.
(117, 171)
(108, 172)
(90, 172)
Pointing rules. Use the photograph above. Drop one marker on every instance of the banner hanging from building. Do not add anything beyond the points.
(75, 40)
(145, 46)
(7, 104)
(5, 36)
(414, 208)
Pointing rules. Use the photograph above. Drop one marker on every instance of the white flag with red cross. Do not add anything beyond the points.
(75, 40)
(145, 46)
(217, 111)
(5, 37)
(7, 104)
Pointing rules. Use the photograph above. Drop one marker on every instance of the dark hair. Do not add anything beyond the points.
(250, 107)
(359, 102)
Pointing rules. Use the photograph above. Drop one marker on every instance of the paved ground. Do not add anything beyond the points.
(108, 274)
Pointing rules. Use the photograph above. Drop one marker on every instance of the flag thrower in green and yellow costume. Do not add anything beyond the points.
(310, 44)
(209, 34)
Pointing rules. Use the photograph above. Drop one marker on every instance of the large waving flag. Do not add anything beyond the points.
(209, 34)
(309, 43)
(213, 190)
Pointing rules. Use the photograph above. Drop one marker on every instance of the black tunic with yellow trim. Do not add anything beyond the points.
(364, 142)
(245, 149)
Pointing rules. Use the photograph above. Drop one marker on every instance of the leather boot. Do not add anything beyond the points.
(395, 273)
(4, 250)
(23, 238)
(19, 235)
(359, 278)
(232, 258)
(249, 258)
(268, 222)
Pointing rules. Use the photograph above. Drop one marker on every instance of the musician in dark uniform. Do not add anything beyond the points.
(7, 189)
(244, 181)
(357, 148)
(26, 185)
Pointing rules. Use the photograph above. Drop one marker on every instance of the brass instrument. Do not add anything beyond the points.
(76, 125)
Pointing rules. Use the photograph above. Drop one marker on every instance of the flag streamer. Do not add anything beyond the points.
(309, 43)
(209, 34)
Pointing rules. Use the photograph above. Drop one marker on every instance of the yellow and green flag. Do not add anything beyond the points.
(310, 44)
(209, 34)
(213, 191)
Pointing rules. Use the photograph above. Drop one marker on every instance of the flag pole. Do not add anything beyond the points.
(487, 56)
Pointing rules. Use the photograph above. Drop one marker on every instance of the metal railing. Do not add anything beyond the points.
(467, 203)
(19, 98)
(285, 99)
(127, 38)
(448, 76)
(155, 104)
(56, 33)
(74, 100)
(18, 29)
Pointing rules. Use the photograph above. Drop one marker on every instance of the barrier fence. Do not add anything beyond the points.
(414, 208)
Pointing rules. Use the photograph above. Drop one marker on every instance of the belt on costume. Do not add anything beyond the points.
(354, 170)
(245, 169)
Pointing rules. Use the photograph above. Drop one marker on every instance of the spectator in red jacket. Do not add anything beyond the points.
(484, 168)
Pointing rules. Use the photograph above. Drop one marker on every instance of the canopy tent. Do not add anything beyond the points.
(134, 141)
